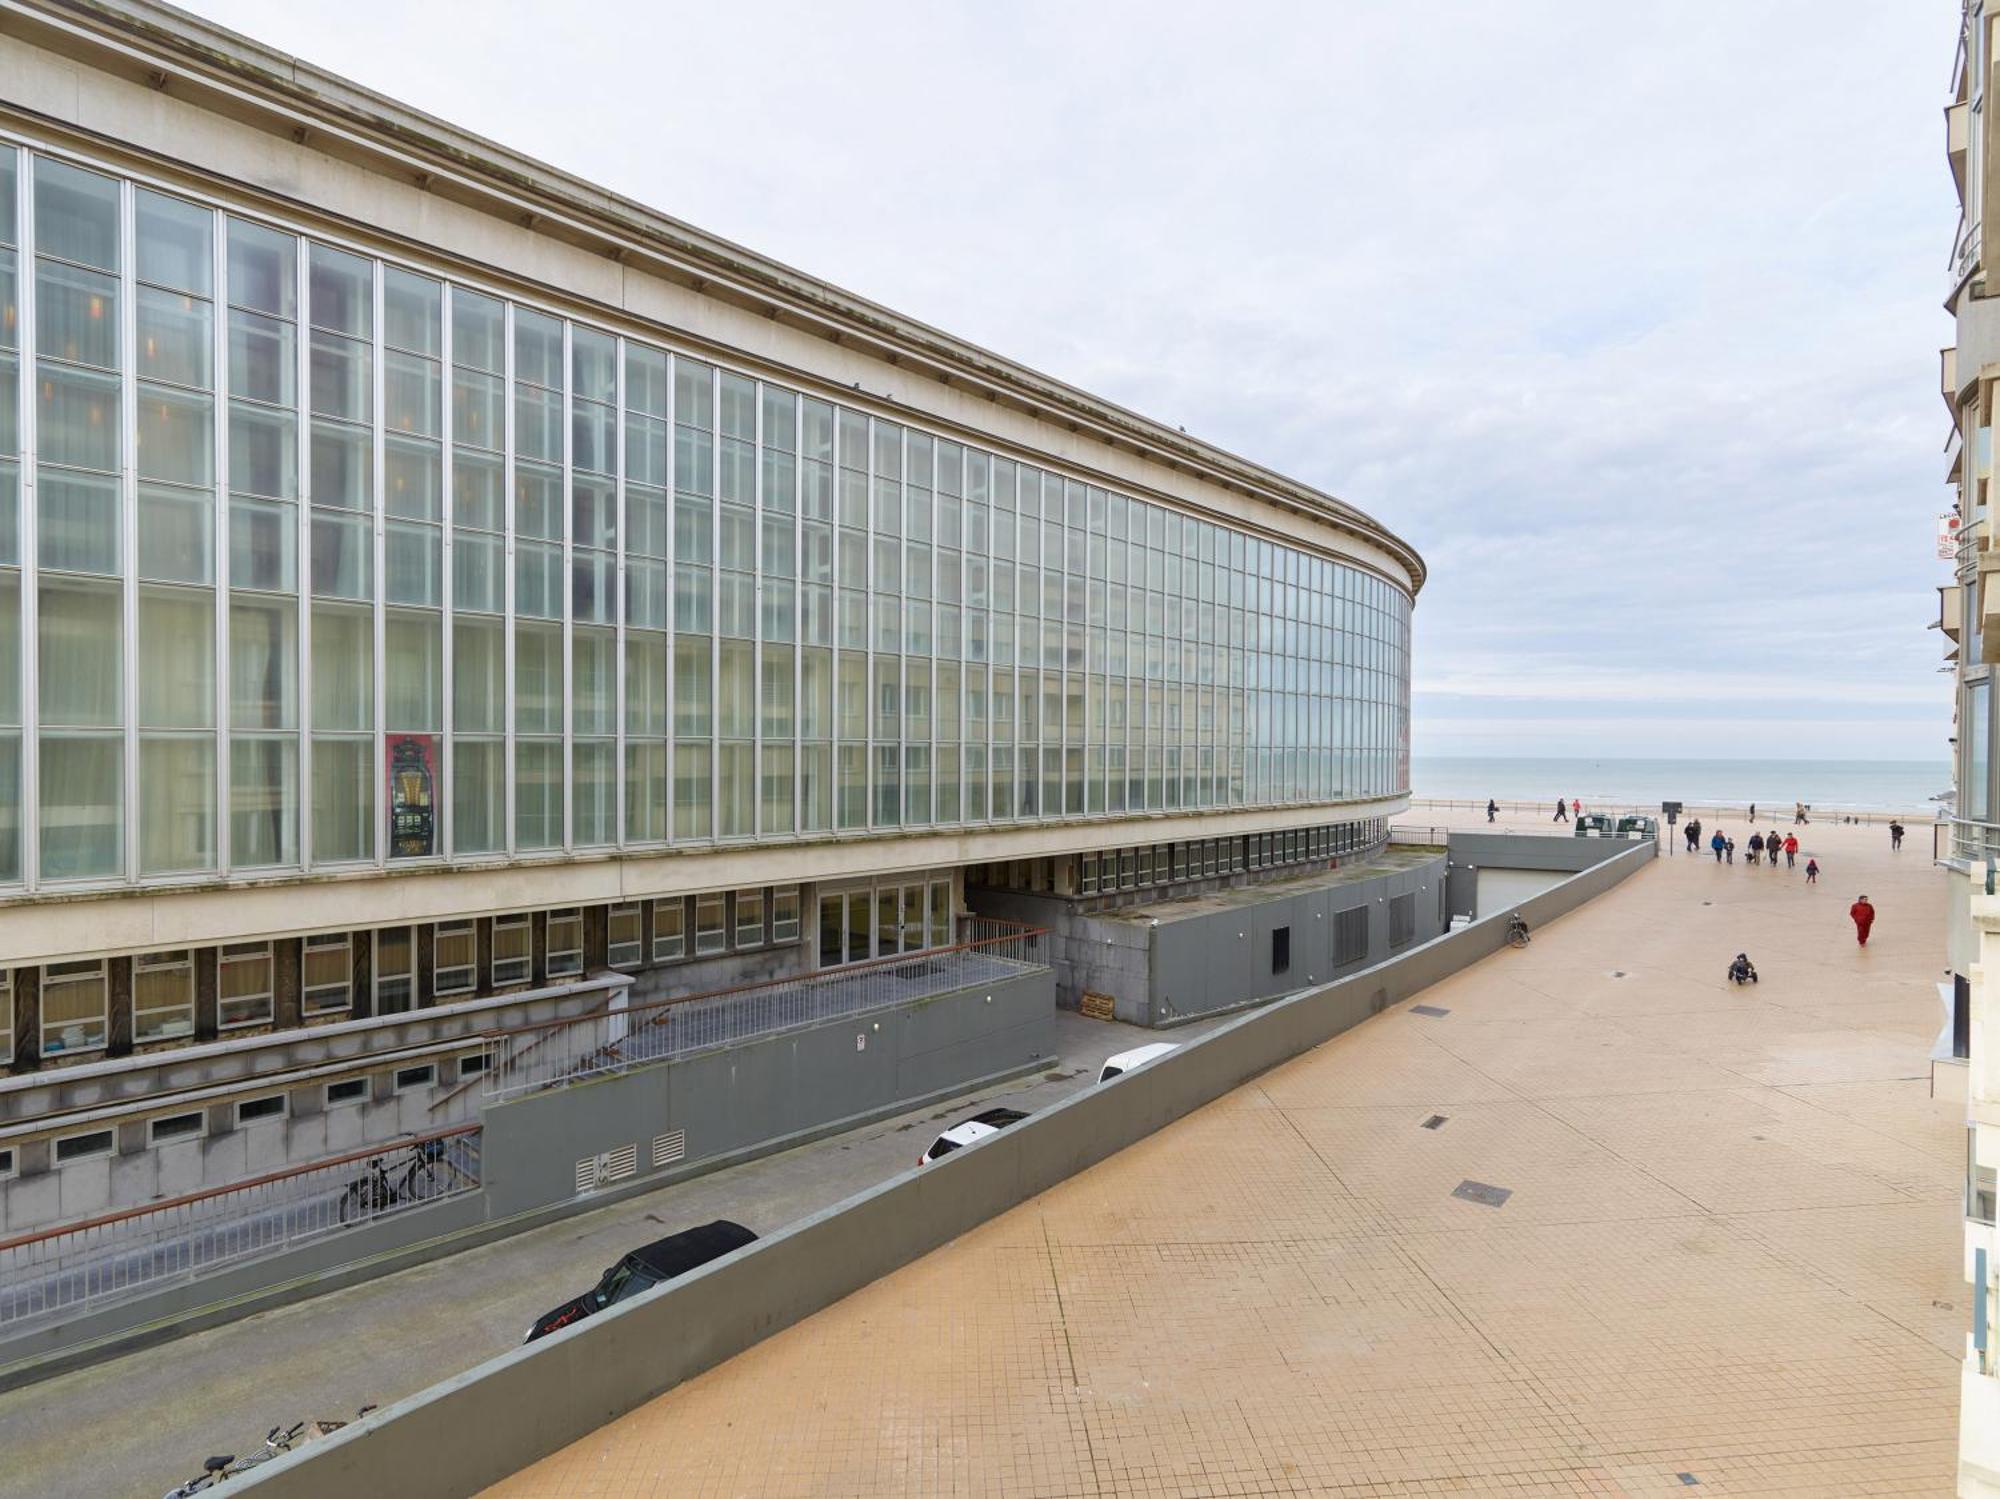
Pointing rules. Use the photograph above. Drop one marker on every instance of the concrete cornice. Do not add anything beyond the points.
(268, 89)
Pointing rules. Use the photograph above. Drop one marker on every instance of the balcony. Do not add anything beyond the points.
(1987, 581)
(1948, 381)
(1957, 119)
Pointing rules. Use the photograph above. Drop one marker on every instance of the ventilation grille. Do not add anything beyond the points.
(669, 1148)
(613, 1165)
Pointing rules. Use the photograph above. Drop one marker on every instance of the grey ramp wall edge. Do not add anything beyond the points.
(460, 1436)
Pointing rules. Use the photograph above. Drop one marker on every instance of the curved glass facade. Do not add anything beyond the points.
(329, 562)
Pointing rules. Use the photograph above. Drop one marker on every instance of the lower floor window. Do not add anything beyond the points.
(625, 942)
(453, 970)
(243, 985)
(74, 1008)
(326, 980)
(162, 996)
(513, 958)
(565, 943)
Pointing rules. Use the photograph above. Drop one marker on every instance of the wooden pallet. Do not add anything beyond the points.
(1098, 1006)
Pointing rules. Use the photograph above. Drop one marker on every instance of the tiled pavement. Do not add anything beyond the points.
(1728, 1264)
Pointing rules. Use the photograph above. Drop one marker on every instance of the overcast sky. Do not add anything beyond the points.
(1626, 316)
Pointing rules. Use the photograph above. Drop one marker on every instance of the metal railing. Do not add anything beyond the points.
(78, 1267)
(1767, 812)
(561, 1052)
(1964, 840)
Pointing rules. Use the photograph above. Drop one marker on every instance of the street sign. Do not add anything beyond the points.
(1947, 536)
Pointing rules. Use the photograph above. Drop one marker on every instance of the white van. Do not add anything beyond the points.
(1138, 1056)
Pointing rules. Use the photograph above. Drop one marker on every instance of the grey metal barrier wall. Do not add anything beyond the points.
(467, 1433)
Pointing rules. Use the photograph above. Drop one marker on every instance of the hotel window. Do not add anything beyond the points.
(669, 930)
(85, 1147)
(1086, 875)
(423, 1076)
(785, 914)
(710, 934)
(473, 1065)
(190, 1126)
(6, 1017)
(243, 985)
(565, 943)
(395, 969)
(513, 951)
(454, 958)
(74, 1007)
(749, 918)
(257, 1110)
(941, 913)
(326, 975)
(162, 996)
(625, 941)
(6, 1163)
(347, 1090)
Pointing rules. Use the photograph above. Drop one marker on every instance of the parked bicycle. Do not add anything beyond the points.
(1517, 931)
(425, 1173)
(278, 1441)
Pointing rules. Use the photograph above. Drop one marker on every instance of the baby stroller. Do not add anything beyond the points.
(1742, 970)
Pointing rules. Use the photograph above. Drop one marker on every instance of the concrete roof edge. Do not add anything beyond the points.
(214, 54)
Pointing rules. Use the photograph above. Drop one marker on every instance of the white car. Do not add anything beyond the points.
(1138, 1056)
(970, 1132)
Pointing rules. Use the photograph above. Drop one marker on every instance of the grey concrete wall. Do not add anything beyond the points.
(1222, 960)
(1503, 889)
(466, 1433)
(1197, 965)
(735, 1104)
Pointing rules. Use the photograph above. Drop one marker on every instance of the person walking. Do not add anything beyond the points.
(1791, 850)
(1756, 847)
(1771, 845)
(1718, 843)
(1492, 809)
(1798, 814)
(1576, 806)
(1753, 813)
(1812, 871)
(1729, 852)
(1862, 914)
(1562, 811)
(1693, 835)
(1895, 835)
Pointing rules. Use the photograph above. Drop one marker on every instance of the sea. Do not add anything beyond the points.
(1828, 785)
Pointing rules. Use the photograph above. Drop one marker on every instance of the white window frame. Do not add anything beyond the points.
(326, 942)
(173, 960)
(454, 978)
(785, 929)
(759, 899)
(283, 1113)
(376, 976)
(10, 1162)
(231, 954)
(406, 1078)
(478, 1064)
(720, 931)
(110, 1148)
(328, 1101)
(564, 962)
(505, 974)
(670, 949)
(77, 972)
(625, 952)
(200, 1117)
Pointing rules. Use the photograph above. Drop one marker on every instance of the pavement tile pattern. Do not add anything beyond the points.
(1727, 1263)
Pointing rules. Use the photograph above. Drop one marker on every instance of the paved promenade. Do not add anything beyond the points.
(1728, 1263)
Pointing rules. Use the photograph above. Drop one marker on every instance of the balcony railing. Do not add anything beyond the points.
(78, 1267)
(553, 1055)
(1965, 840)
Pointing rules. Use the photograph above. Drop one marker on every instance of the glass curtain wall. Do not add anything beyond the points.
(332, 562)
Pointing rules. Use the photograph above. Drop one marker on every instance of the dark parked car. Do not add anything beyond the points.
(645, 1268)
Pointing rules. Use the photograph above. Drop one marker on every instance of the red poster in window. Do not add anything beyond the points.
(412, 773)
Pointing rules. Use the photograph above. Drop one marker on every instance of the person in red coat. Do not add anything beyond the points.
(1863, 916)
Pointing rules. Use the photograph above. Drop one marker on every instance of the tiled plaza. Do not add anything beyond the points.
(1728, 1263)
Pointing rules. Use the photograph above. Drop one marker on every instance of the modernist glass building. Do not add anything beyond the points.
(358, 523)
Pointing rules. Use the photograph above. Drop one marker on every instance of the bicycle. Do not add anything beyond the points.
(1517, 931)
(215, 1469)
(373, 1191)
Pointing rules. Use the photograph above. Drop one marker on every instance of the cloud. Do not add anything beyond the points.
(1627, 317)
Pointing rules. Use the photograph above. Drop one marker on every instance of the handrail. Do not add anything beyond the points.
(1021, 930)
(165, 1204)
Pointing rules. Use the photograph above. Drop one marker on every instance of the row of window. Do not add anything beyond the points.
(75, 1002)
(400, 570)
(196, 1124)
